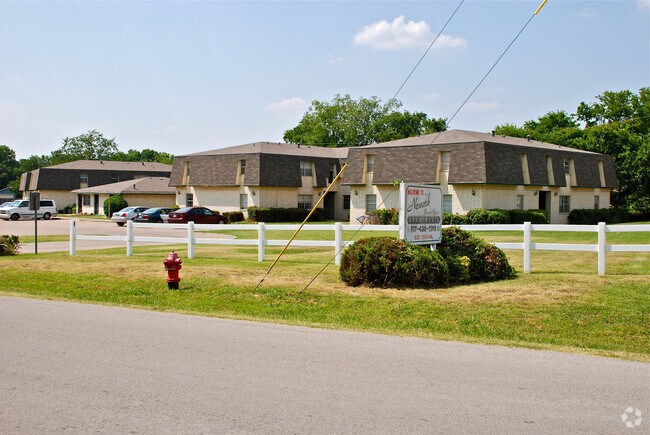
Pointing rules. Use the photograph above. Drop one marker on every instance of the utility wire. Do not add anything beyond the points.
(427, 51)
(492, 67)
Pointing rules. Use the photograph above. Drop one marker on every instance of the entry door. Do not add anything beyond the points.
(545, 201)
(96, 200)
(329, 206)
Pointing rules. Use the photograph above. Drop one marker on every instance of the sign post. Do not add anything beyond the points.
(35, 204)
(420, 214)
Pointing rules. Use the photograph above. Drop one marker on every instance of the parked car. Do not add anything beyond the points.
(126, 214)
(199, 215)
(153, 215)
(20, 209)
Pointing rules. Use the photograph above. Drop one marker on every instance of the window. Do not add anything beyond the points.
(445, 158)
(243, 201)
(596, 202)
(565, 204)
(370, 163)
(83, 179)
(189, 199)
(242, 167)
(371, 202)
(86, 199)
(304, 201)
(446, 203)
(566, 165)
(332, 172)
(346, 202)
(520, 202)
(115, 178)
(305, 169)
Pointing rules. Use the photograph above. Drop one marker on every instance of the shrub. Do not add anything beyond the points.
(486, 261)
(114, 203)
(257, 214)
(532, 216)
(453, 219)
(388, 261)
(481, 216)
(9, 244)
(385, 216)
(590, 216)
(233, 216)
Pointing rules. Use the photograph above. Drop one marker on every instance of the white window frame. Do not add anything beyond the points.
(189, 199)
(243, 201)
(520, 202)
(371, 202)
(305, 201)
(596, 202)
(306, 169)
(565, 203)
(346, 202)
(370, 163)
(447, 203)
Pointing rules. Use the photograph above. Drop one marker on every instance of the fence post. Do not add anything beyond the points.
(190, 240)
(261, 241)
(527, 245)
(129, 238)
(602, 246)
(73, 237)
(338, 242)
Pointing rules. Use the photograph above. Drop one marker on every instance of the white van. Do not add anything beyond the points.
(20, 209)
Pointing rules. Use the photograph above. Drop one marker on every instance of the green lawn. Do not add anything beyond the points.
(563, 305)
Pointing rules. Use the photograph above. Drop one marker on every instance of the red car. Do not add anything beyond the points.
(199, 215)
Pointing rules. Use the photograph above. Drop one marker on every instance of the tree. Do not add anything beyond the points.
(346, 122)
(8, 165)
(88, 146)
(146, 155)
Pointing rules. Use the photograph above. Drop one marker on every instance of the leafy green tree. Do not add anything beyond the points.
(91, 145)
(345, 122)
(8, 165)
(146, 155)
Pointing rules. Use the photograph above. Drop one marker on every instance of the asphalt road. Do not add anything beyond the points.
(86, 368)
(85, 226)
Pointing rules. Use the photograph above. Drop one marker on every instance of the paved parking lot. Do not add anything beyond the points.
(84, 226)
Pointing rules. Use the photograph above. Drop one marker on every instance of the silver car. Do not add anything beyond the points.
(126, 214)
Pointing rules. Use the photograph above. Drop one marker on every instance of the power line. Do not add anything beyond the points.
(492, 67)
(427, 50)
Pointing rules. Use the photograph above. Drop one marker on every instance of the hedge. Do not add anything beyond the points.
(233, 216)
(257, 214)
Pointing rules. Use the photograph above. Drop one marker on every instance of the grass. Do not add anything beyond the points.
(563, 305)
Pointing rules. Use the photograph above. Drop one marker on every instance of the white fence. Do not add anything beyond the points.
(338, 243)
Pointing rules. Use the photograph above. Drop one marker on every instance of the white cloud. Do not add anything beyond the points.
(587, 13)
(643, 4)
(432, 96)
(486, 106)
(335, 60)
(398, 35)
(286, 105)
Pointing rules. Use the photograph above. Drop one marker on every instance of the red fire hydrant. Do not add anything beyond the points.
(172, 266)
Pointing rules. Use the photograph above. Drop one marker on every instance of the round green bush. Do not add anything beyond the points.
(114, 203)
(390, 262)
(486, 261)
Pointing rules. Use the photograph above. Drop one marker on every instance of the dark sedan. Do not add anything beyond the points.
(153, 215)
(199, 215)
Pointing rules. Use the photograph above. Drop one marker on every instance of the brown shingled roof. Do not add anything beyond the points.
(276, 148)
(464, 136)
(113, 165)
(147, 185)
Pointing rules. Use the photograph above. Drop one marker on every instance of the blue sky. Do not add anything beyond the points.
(185, 77)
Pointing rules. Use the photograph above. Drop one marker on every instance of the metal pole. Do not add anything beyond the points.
(35, 232)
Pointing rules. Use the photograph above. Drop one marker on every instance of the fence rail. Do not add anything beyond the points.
(338, 243)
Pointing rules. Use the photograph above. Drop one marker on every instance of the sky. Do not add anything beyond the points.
(183, 77)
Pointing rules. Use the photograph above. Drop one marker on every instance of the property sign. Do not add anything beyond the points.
(421, 214)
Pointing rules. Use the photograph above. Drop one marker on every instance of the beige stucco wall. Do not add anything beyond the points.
(62, 198)
(134, 200)
(468, 197)
(226, 199)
